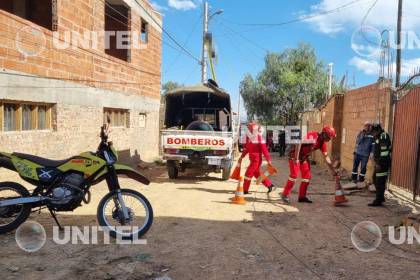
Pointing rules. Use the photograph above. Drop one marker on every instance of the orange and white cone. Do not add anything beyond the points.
(236, 174)
(239, 194)
(339, 193)
(269, 171)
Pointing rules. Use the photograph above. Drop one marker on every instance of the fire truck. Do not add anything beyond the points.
(198, 130)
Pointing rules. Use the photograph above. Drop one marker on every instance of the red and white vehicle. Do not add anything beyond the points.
(198, 131)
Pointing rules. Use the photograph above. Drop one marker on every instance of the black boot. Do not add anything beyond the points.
(271, 188)
(246, 192)
(285, 199)
(375, 203)
(304, 200)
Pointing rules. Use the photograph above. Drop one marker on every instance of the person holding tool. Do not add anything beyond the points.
(255, 146)
(299, 160)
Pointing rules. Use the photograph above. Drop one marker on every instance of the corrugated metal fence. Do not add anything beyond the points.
(406, 143)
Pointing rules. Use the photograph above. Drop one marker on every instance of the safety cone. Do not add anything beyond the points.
(239, 194)
(269, 171)
(236, 174)
(339, 193)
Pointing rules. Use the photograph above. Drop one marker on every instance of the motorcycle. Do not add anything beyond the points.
(62, 185)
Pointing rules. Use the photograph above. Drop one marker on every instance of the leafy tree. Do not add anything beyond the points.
(168, 86)
(290, 81)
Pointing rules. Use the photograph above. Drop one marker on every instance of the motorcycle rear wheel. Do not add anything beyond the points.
(17, 214)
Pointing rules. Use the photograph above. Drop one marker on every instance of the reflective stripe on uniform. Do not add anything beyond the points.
(354, 173)
(384, 148)
(292, 179)
(385, 154)
(381, 174)
(247, 178)
(306, 180)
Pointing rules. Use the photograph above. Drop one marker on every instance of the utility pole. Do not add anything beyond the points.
(399, 26)
(204, 50)
(330, 77)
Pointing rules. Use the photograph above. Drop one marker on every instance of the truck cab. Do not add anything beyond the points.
(197, 130)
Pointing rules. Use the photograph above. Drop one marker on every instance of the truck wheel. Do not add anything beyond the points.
(172, 170)
(226, 173)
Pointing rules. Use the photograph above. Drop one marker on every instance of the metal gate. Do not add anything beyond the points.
(405, 170)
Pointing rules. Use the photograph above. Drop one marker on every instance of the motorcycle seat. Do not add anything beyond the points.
(42, 161)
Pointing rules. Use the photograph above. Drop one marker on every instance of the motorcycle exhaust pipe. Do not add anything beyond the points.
(23, 200)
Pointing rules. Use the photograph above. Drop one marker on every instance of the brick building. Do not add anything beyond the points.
(347, 113)
(54, 97)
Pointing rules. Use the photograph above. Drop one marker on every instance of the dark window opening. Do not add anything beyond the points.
(39, 12)
(144, 31)
(117, 19)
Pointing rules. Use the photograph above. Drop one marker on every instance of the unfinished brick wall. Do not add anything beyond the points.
(363, 104)
(329, 114)
(140, 76)
(347, 113)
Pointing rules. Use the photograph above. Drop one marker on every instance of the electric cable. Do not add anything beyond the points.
(303, 18)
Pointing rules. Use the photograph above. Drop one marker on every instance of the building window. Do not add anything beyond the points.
(117, 26)
(118, 117)
(144, 31)
(10, 117)
(27, 117)
(142, 120)
(42, 117)
(39, 12)
(24, 116)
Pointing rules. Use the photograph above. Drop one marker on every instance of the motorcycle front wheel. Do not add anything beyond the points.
(130, 224)
(11, 217)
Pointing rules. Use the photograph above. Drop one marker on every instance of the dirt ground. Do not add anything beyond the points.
(198, 234)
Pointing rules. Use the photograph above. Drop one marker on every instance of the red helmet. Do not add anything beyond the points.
(330, 131)
(252, 125)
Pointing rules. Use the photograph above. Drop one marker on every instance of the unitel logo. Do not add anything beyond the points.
(367, 236)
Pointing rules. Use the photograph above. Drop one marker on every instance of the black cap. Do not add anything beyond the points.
(376, 127)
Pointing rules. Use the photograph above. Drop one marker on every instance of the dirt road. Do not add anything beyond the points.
(199, 234)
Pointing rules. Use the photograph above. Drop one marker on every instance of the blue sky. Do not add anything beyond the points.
(241, 48)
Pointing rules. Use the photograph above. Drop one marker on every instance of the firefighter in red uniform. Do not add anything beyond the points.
(255, 147)
(299, 160)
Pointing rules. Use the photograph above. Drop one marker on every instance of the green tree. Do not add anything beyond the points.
(168, 86)
(289, 82)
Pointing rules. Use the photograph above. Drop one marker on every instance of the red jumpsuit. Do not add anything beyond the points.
(255, 149)
(311, 143)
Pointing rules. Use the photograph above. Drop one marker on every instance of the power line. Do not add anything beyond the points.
(175, 60)
(368, 12)
(303, 18)
(245, 38)
(362, 24)
(187, 52)
(168, 34)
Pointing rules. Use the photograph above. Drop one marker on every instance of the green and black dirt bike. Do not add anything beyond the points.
(64, 184)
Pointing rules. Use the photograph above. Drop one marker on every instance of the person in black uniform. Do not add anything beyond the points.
(382, 158)
(282, 143)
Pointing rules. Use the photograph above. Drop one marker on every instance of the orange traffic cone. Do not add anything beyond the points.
(239, 194)
(269, 171)
(339, 193)
(236, 174)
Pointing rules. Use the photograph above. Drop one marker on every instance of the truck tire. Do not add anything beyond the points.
(172, 169)
(226, 173)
